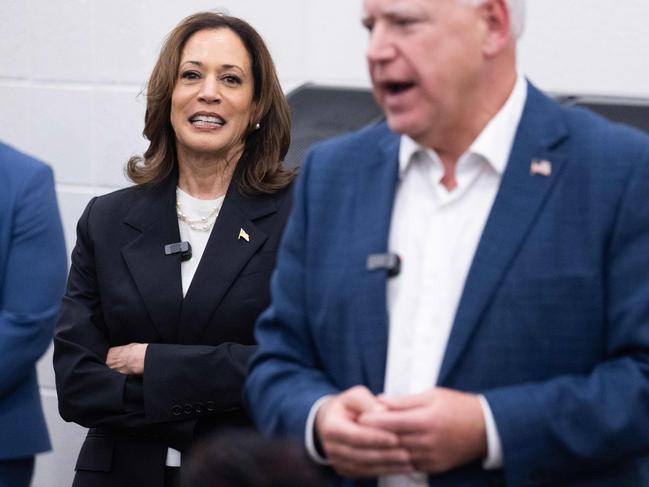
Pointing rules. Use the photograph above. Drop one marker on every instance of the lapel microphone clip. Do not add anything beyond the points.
(182, 248)
(389, 262)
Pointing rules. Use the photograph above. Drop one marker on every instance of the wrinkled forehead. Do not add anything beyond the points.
(378, 8)
(374, 9)
(388, 7)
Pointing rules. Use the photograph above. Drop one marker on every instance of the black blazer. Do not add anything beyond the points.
(122, 288)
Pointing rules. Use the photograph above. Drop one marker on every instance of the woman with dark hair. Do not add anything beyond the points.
(169, 275)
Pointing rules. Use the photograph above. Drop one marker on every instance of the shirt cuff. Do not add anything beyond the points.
(494, 459)
(173, 458)
(309, 433)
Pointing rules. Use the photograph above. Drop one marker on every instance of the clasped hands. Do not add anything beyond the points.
(364, 435)
(127, 359)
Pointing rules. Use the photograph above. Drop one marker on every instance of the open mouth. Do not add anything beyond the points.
(206, 121)
(396, 87)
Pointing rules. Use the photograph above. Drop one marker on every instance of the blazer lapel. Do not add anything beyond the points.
(156, 275)
(517, 204)
(376, 178)
(223, 259)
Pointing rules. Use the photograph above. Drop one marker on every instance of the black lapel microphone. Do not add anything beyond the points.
(390, 262)
(182, 248)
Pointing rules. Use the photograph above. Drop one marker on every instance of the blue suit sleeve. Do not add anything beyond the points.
(34, 279)
(566, 423)
(285, 378)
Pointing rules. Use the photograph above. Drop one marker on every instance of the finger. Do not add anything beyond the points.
(408, 401)
(369, 456)
(113, 353)
(415, 442)
(398, 422)
(359, 436)
(360, 399)
(111, 359)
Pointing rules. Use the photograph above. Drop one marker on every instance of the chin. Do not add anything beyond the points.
(404, 125)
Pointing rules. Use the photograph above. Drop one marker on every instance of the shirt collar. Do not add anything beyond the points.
(495, 141)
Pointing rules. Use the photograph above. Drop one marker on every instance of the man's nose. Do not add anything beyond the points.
(380, 46)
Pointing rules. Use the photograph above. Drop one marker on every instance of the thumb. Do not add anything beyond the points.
(360, 399)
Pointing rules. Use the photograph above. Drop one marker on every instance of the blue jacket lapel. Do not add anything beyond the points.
(517, 204)
(376, 178)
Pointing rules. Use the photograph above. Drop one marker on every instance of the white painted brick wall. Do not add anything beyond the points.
(72, 73)
(594, 47)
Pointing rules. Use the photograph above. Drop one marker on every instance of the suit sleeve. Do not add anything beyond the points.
(573, 422)
(33, 282)
(189, 381)
(89, 392)
(285, 377)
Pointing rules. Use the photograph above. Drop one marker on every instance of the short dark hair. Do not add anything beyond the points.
(264, 148)
(248, 459)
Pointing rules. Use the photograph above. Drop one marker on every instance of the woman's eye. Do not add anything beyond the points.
(232, 80)
(189, 75)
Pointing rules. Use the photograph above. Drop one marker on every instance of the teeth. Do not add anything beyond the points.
(207, 119)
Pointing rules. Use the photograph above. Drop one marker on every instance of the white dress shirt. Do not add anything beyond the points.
(195, 209)
(436, 233)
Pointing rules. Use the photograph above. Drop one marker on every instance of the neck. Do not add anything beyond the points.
(206, 177)
(477, 112)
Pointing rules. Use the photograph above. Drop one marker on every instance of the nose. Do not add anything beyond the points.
(380, 46)
(209, 92)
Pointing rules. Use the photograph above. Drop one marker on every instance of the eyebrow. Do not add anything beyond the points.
(223, 66)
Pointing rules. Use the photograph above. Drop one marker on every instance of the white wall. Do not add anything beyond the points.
(72, 72)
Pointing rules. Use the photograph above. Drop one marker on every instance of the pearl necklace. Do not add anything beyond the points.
(202, 224)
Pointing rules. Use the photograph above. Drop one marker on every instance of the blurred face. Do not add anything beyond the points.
(211, 103)
(424, 58)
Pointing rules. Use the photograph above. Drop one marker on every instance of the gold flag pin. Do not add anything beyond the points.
(243, 235)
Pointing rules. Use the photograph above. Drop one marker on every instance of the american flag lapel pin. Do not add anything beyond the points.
(540, 167)
(243, 235)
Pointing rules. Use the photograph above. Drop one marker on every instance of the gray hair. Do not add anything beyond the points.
(516, 11)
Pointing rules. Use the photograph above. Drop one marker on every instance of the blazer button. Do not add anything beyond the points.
(176, 410)
(209, 405)
(198, 407)
(188, 409)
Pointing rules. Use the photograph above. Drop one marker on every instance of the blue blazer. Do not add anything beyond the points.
(553, 322)
(32, 278)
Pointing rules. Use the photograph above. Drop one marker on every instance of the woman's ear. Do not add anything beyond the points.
(255, 116)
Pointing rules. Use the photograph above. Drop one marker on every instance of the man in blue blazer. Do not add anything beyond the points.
(32, 279)
(510, 345)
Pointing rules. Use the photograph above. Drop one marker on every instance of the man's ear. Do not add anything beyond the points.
(496, 17)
